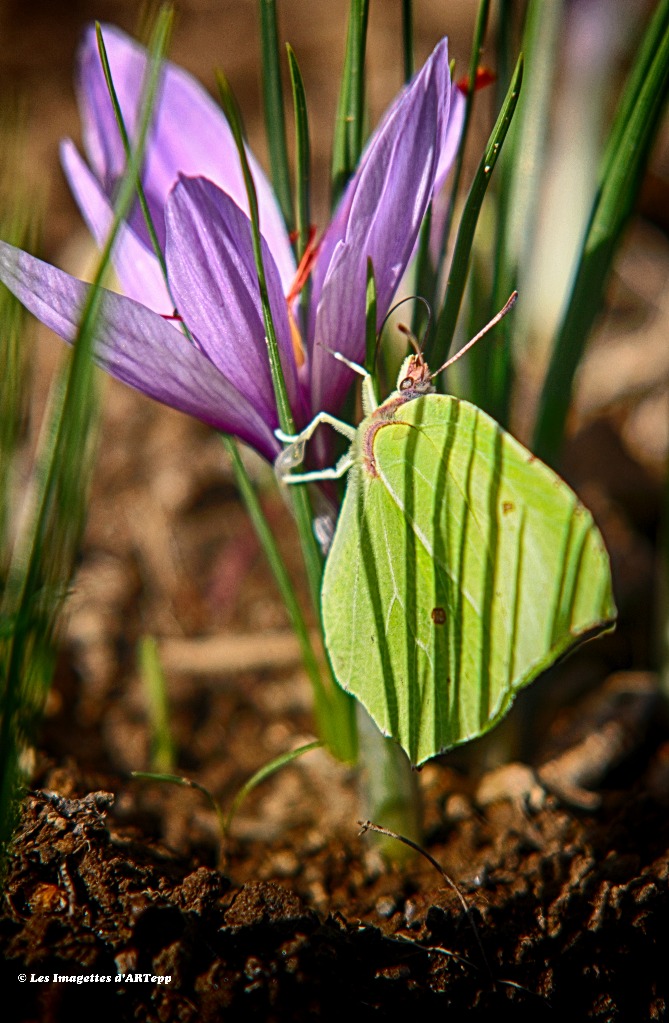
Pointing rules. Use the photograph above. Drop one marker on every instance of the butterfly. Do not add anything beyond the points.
(461, 565)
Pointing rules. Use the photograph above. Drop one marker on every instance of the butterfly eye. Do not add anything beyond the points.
(406, 384)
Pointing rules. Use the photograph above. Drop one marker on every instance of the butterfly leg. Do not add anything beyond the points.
(342, 467)
(370, 399)
(294, 453)
(323, 418)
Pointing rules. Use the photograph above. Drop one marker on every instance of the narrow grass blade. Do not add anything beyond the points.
(303, 156)
(275, 122)
(525, 150)
(505, 49)
(425, 275)
(463, 246)
(518, 195)
(477, 46)
(331, 705)
(43, 559)
(118, 114)
(636, 82)
(166, 778)
(66, 433)
(662, 603)
(340, 727)
(14, 375)
(302, 177)
(407, 39)
(313, 559)
(261, 774)
(635, 127)
(13, 395)
(144, 206)
(370, 326)
(347, 143)
(231, 110)
(155, 686)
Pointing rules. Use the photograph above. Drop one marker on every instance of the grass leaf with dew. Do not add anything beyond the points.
(477, 46)
(460, 263)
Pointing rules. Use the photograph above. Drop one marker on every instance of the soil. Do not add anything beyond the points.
(553, 833)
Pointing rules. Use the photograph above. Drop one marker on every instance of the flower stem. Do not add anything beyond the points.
(331, 711)
(337, 719)
(388, 788)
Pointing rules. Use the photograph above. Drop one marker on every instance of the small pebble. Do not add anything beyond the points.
(458, 807)
(411, 912)
(385, 906)
(285, 863)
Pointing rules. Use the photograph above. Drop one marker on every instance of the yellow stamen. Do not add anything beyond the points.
(296, 338)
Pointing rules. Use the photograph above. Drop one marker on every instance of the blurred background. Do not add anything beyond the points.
(39, 42)
(168, 549)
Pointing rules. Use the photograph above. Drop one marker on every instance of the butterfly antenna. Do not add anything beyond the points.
(413, 340)
(482, 333)
(400, 326)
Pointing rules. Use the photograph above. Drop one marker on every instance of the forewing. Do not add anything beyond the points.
(456, 576)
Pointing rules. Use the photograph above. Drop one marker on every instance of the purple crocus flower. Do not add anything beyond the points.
(196, 193)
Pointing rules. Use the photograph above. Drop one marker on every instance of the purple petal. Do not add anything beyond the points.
(382, 213)
(449, 148)
(190, 135)
(137, 267)
(214, 283)
(452, 133)
(140, 348)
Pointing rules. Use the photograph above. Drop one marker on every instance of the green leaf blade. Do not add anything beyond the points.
(275, 121)
(635, 127)
(348, 136)
(457, 280)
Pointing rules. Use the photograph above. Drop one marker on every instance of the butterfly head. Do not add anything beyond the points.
(414, 377)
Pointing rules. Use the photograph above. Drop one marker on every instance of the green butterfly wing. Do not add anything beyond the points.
(457, 574)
